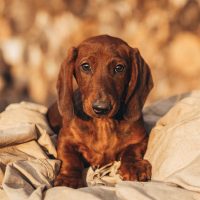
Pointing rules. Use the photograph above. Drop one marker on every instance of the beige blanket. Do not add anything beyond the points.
(28, 165)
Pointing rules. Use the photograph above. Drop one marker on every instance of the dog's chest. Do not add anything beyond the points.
(100, 143)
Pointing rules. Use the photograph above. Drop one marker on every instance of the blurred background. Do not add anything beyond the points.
(36, 34)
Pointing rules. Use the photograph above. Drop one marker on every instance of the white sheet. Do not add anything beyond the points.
(27, 172)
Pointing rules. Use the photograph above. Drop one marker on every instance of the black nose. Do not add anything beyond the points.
(101, 107)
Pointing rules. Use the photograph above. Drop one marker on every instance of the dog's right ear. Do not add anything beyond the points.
(65, 86)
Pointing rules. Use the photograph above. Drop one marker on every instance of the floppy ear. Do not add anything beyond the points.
(139, 86)
(65, 86)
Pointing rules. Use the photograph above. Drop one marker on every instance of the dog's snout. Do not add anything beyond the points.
(101, 107)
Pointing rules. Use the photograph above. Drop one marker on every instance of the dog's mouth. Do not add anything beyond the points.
(100, 111)
(101, 108)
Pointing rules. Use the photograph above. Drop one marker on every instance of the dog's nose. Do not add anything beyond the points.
(101, 107)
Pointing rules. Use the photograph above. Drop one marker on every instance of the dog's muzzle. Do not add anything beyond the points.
(101, 107)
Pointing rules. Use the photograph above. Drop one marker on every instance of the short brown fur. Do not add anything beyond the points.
(87, 138)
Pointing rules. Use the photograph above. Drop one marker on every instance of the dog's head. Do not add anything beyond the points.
(112, 78)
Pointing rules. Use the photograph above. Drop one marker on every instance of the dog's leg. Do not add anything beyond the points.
(133, 166)
(72, 166)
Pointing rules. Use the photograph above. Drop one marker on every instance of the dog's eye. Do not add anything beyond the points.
(86, 67)
(119, 68)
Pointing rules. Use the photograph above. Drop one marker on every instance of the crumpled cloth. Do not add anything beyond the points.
(26, 145)
(106, 175)
(28, 162)
(174, 145)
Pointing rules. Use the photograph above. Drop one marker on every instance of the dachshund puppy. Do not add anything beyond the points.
(102, 120)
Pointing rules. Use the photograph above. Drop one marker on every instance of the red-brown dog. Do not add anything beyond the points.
(102, 121)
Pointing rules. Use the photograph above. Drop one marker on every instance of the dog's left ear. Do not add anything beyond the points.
(140, 85)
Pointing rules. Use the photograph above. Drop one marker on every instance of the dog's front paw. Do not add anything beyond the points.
(69, 181)
(138, 170)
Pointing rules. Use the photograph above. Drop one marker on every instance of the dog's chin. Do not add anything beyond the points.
(94, 115)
